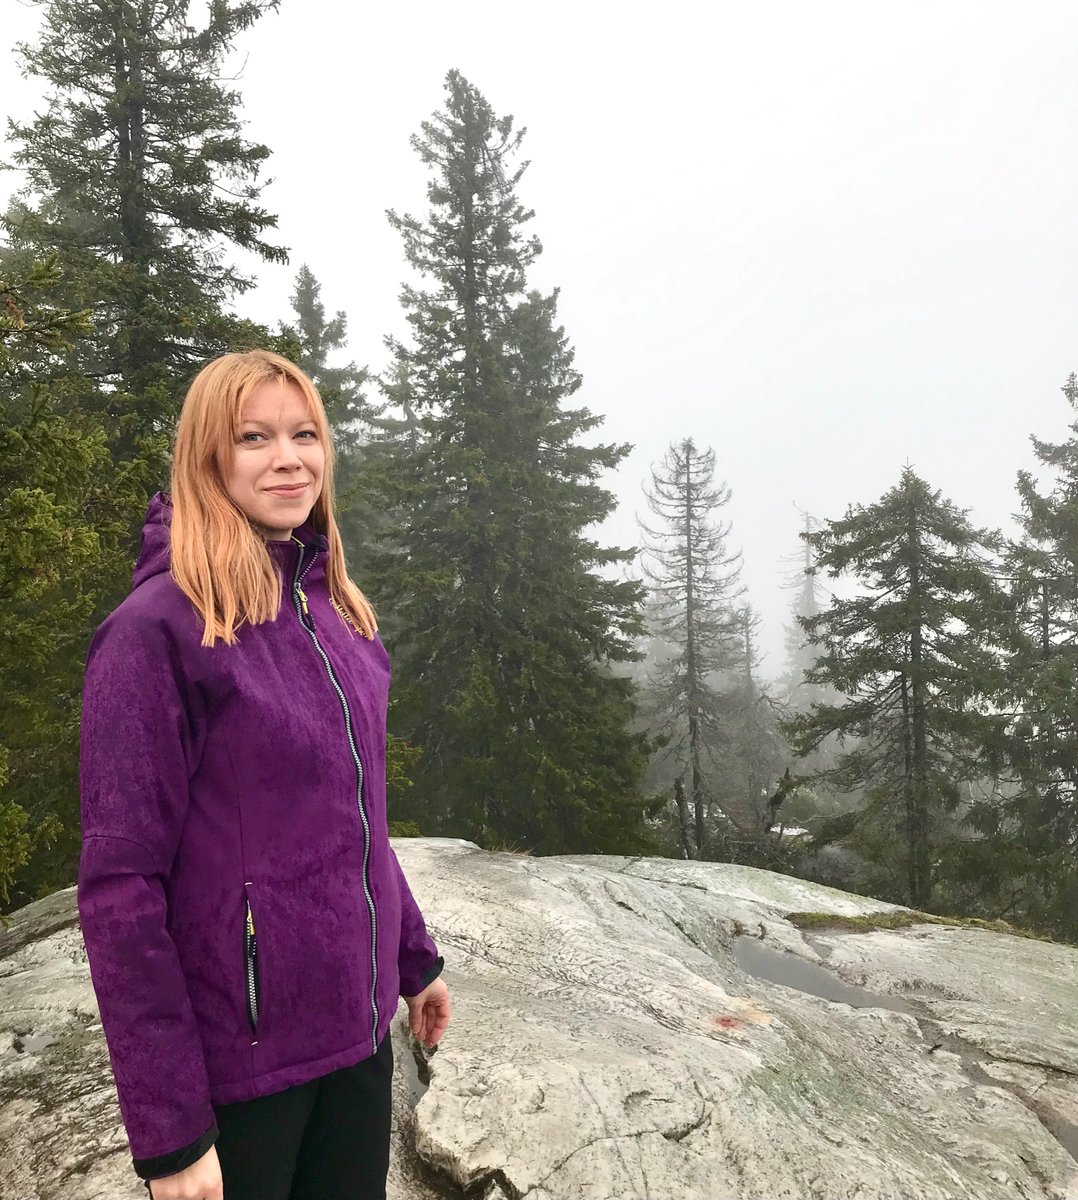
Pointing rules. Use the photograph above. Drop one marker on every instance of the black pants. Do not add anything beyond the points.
(323, 1140)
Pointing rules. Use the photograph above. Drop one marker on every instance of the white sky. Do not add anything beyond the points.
(824, 238)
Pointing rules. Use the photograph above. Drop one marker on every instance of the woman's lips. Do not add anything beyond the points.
(288, 491)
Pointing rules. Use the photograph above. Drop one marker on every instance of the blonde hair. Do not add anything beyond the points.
(219, 559)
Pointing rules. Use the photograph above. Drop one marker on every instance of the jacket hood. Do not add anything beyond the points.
(155, 555)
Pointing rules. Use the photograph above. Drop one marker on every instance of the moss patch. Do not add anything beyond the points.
(903, 919)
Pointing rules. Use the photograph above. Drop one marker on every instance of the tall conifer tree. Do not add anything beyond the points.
(695, 585)
(500, 627)
(1025, 865)
(137, 175)
(915, 660)
(341, 386)
(58, 500)
(756, 751)
(320, 337)
(138, 178)
(796, 693)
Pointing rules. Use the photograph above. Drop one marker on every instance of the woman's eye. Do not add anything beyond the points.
(303, 433)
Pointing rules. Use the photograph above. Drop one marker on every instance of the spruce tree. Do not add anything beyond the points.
(58, 539)
(319, 338)
(916, 659)
(501, 628)
(1024, 866)
(756, 752)
(695, 585)
(137, 176)
(796, 693)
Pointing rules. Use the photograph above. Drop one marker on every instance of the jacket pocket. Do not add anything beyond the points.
(250, 964)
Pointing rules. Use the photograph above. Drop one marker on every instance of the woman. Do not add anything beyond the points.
(248, 927)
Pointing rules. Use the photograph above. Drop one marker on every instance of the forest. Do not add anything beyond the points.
(921, 744)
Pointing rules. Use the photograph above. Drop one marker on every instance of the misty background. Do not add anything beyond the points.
(825, 240)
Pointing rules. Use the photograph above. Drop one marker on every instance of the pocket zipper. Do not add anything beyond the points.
(250, 957)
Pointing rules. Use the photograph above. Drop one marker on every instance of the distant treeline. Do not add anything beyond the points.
(922, 743)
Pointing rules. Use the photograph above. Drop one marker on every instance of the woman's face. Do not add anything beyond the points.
(278, 460)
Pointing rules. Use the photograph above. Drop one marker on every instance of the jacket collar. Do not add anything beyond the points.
(155, 554)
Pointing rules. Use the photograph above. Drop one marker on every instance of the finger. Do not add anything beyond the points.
(440, 1023)
(438, 1019)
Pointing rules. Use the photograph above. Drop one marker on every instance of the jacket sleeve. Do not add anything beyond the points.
(418, 960)
(138, 746)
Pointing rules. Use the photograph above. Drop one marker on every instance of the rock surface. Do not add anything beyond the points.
(616, 1033)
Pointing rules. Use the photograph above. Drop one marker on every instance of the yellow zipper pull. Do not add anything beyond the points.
(303, 600)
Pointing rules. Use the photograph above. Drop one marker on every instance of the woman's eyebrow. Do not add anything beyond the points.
(269, 424)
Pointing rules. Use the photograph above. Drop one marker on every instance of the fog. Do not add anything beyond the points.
(825, 239)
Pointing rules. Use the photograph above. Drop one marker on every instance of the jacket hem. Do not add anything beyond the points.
(295, 1073)
(180, 1159)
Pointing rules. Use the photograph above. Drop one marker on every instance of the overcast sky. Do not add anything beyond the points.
(823, 238)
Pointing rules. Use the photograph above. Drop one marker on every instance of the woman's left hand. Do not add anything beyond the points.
(428, 1013)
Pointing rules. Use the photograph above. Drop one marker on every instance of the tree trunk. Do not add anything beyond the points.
(920, 856)
(698, 799)
(132, 30)
(692, 690)
(684, 828)
(908, 784)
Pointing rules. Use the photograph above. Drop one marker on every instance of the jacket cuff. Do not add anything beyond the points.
(415, 984)
(175, 1160)
(432, 974)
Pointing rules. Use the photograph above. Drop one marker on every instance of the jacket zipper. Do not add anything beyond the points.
(299, 600)
(250, 952)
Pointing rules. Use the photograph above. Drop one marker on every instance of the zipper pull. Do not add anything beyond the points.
(306, 618)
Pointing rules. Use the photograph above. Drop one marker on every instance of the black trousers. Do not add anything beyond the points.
(323, 1140)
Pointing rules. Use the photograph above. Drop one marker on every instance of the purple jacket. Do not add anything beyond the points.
(246, 920)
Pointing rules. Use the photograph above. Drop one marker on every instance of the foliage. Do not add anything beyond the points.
(694, 586)
(501, 631)
(904, 919)
(135, 173)
(350, 413)
(404, 829)
(136, 176)
(56, 541)
(1023, 859)
(917, 658)
(27, 324)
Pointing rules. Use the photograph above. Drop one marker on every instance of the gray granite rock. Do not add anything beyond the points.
(614, 1035)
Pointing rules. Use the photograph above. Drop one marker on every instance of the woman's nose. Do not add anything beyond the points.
(285, 454)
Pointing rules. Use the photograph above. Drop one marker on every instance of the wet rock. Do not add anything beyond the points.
(609, 1039)
(606, 1041)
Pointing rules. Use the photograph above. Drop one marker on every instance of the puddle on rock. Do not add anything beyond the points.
(779, 966)
(1065, 1134)
(822, 948)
